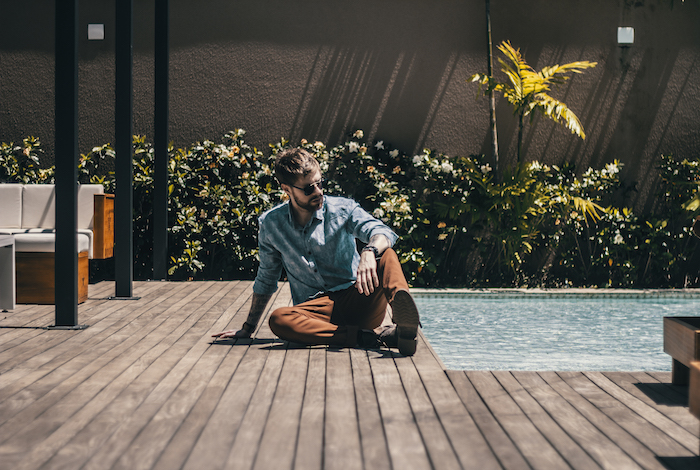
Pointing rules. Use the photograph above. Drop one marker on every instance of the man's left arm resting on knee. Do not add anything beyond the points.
(367, 277)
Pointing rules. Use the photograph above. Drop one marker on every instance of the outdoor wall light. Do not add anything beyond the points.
(96, 32)
(625, 36)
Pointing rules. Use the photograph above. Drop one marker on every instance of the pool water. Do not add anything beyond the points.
(596, 334)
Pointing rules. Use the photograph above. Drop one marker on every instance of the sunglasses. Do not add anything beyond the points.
(309, 190)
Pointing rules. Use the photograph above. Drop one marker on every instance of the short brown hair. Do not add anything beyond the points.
(292, 164)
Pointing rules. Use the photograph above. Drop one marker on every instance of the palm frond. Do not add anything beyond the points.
(559, 112)
(588, 208)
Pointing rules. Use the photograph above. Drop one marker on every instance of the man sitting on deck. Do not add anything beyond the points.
(339, 296)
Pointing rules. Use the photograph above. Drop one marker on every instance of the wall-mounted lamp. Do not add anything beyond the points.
(625, 36)
(96, 32)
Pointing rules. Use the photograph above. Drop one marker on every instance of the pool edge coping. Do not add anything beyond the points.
(558, 293)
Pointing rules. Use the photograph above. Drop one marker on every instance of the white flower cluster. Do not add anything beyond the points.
(618, 238)
(537, 166)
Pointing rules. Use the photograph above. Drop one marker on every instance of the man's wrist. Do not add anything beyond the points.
(373, 249)
(248, 327)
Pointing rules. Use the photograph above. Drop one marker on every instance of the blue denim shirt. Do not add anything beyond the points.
(320, 257)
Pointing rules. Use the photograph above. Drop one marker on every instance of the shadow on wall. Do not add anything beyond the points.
(382, 91)
(381, 66)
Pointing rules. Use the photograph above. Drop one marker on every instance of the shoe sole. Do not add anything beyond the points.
(406, 317)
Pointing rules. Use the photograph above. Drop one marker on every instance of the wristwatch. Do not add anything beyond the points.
(373, 249)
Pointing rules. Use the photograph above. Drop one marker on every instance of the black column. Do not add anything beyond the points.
(66, 128)
(123, 132)
(160, 189)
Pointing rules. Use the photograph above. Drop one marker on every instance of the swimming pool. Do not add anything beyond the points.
(534, 333)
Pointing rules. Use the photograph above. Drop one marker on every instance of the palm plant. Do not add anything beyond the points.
(527, 90)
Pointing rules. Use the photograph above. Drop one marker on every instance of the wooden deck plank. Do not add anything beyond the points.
(599, 401)
(468, 442)
(85, 403)
(245, 446)
(664, 423)
(309, 451)
(99, 429)
(279, 437)
(405, 442)
(674, 395)
(570, 451)
(25, 405)
(375, 453)
(154, 437)
(438, 445)
(212, 446)
(342, 449)
(52, 350)
(170, 352)
(621, 437)
(87, 314)
(508, 454)
(604, 451)
(535, 448)
(655, 398)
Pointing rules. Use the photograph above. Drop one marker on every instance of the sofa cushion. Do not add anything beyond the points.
(37, 242)
(11, 207)
(49, 231)
(39, 206)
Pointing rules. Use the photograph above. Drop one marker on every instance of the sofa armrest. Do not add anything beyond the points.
(103, 226)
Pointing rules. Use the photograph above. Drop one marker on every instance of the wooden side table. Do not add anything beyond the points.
(7, 272)
(682, 343)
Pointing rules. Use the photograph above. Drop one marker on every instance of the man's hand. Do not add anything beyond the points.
(367, 279)
(232, 334)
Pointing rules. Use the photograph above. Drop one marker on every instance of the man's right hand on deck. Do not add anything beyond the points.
(232, 334)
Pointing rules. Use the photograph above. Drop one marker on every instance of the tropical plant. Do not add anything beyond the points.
(527, 90)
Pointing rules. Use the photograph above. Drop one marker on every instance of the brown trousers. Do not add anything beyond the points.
(335, 318)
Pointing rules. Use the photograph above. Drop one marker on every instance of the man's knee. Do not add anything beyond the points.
(280, 320)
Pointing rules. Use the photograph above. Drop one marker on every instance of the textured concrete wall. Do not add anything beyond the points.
(318, 69)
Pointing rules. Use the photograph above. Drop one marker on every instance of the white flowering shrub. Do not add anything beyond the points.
(458, 225)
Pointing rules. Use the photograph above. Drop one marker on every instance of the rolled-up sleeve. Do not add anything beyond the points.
(364, 226)
(270, 264)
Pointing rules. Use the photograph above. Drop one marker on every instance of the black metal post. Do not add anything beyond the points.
(66, 128)
(123, 134)
(161, 114)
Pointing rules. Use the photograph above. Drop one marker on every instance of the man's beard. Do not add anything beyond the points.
(312, 205)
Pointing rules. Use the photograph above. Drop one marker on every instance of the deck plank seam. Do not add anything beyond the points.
(615, 441)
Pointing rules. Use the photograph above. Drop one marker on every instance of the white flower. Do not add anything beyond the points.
(353, 147)
(394, 153)
(446, 167)
(379, 145)
(417, 159)
(618, 239)
(485, 168)
(612, 169)
(359, 134)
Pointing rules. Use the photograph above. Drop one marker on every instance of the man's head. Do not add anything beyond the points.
(292, 165)
(299, 175)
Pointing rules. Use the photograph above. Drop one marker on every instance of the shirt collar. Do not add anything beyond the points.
(317, 215)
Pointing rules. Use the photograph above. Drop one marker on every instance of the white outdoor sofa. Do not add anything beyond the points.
(28, 213)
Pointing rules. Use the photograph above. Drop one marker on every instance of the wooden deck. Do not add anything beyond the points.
(144, 387)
